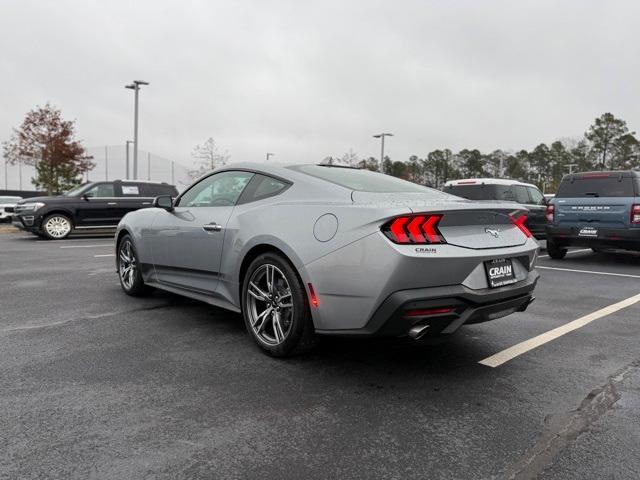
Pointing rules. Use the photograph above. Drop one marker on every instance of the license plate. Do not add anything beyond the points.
(500, 272)
(588, 232)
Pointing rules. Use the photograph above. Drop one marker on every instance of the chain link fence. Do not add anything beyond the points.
(110, 164)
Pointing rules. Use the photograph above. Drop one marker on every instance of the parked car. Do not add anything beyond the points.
(92, 206)
(596, 210)
(7, 205)
(505, 190)
(303, 250)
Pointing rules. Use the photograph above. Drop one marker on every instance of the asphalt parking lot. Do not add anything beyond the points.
(96, 384)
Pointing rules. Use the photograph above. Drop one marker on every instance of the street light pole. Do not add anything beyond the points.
(381, 137)
(269, 155)
(135, 86)
(127, 148)
(570, 166)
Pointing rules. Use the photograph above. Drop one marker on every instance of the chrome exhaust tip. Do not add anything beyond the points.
(418, 331)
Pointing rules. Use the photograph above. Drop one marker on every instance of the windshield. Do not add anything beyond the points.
(76, 190)
(361, 180)
(596, 186)
(508, 193)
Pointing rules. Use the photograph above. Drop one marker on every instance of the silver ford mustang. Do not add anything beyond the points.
(308, 250)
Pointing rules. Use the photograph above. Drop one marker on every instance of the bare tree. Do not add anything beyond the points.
(207, 157)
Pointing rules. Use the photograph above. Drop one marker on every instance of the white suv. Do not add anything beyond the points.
(7, 202)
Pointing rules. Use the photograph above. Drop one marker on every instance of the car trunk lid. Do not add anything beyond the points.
(474, 225)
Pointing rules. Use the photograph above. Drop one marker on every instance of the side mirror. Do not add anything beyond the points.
(164, 201)
(85, 197)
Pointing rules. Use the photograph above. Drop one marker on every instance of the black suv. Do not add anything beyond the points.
(92, 206)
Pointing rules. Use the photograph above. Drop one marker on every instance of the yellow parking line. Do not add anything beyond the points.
(523, 347)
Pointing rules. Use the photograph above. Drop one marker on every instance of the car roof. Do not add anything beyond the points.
(603, 173)
(487, 181)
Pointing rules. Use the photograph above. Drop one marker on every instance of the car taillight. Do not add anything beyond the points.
(635, 214)
(550, 211)
(518, 221)
(414, 229)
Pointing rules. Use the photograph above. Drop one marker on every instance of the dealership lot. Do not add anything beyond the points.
(98, 384)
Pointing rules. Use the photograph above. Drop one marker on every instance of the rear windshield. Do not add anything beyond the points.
(509, 193)
(361, 180)
(596, 187)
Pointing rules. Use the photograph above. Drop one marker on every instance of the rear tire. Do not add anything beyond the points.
(554, 251)
(129, 269)
(278, 318)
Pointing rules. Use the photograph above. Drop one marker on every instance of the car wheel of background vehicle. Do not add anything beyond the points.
(275, 307)
(554, 251)
(128, 269)
(57, 226)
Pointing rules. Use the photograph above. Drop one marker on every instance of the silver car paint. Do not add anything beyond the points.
(353, 272)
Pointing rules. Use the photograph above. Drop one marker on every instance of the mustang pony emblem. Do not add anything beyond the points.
(492, 232)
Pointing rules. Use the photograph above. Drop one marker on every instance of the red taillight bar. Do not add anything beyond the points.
(414, 229)
(518, 221)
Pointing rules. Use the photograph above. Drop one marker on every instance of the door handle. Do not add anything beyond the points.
(212, 227)
(112, 203)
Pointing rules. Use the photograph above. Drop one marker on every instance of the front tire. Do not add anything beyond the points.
(554, 250)
(129, 269)
(275, 307)
(56, 226)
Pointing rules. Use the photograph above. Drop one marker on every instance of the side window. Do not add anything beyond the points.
(153, 190)
(101, 190)
(130, 190)
(521, 195)
(217, 190)
(536, 196)
(261, 187)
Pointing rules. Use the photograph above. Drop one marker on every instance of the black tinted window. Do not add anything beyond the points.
(262, 186)
(482, 192)
(596, 186)
(153, 190)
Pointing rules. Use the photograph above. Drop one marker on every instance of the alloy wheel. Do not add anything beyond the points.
(269, 304)
(57, 226)
(127, 264)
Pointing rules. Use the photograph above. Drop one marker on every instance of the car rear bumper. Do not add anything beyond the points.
(606, 237)
(396, 315)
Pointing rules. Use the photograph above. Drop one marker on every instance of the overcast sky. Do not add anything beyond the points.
(308, 79)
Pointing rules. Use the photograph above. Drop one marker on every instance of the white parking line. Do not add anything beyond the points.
(105, 255)
(88, 246)
(593, 272)
(569, 253)
(523, 347)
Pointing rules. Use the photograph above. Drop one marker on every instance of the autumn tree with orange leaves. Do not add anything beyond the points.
(46, 141)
